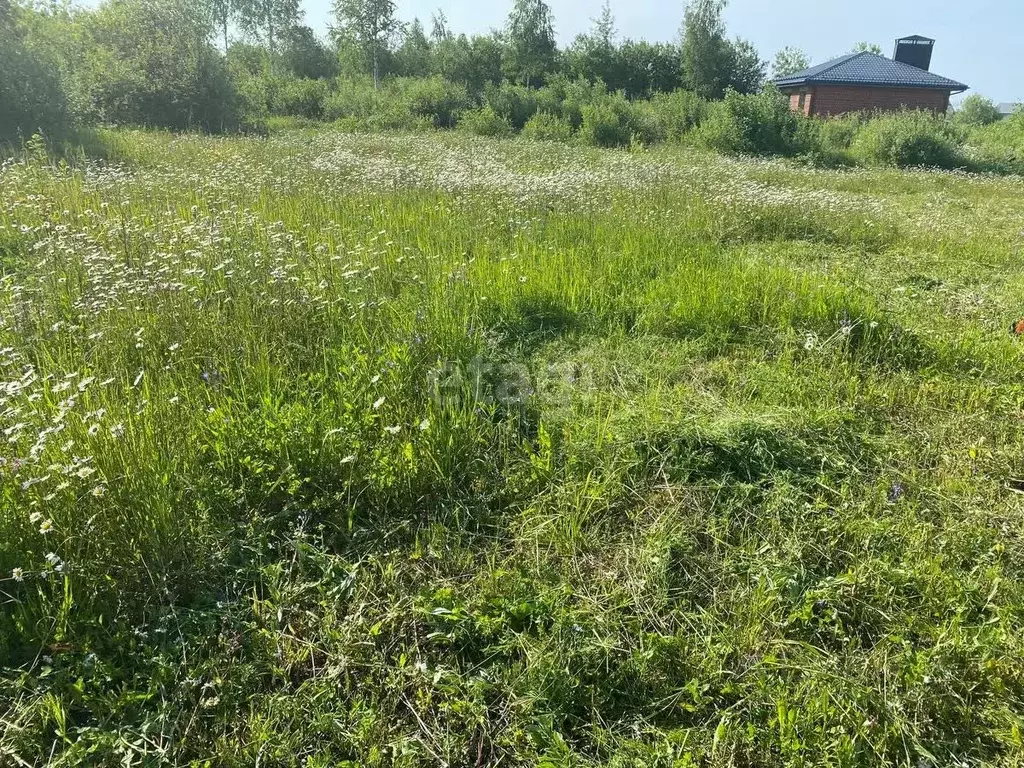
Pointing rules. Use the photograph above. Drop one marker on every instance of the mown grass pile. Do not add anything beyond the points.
(336, 449)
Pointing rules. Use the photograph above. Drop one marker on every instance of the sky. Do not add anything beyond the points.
(978, 42)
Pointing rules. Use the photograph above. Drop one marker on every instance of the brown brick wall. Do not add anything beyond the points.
(794, 103)
(839, 99)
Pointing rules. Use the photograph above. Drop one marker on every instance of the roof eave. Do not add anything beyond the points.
(952, 87)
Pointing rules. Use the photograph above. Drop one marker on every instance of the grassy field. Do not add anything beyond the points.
(352, 450)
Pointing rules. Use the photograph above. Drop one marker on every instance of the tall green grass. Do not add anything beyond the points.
(332, 449)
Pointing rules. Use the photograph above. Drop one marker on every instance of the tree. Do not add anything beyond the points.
(604, 27)
(32, 93)
(473, 62)
(413, 56)
(747, 68)
(372, 25)
(642, 68)
(265, 19)
(593, 55)
(175, 79)
(789, 61)
(305, 55)
(439, 30)
(707, 55)
(866, 47)
(531, 42)
(976, 110)
(222, 12)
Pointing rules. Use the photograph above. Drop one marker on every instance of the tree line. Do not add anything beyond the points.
(227, 65)
(371, 39)
(216, 64)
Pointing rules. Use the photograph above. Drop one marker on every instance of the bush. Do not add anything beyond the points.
(514, 103)
(435, 99)
(545, 126)
(613, 121)
(604, 125)
(485, 122)
(643, 122)
(976, 111)
(753, 124)
(1006, 135)
(836, 134)
(401, 104)
(144, 66)
(31, 92)
(908, 139)
(299, 98)
(999, 147)
(576, 94)
(395, 117)
(678, 112)
(353, 98)
(549, 99)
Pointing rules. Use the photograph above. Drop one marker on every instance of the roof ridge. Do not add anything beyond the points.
(867, 68)
(839, 60)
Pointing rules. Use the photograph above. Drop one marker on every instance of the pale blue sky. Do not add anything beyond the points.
(978, 42)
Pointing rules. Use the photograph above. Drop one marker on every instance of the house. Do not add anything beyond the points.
(1007, 108)
(869, 81)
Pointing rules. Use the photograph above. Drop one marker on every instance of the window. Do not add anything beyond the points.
(801, 101)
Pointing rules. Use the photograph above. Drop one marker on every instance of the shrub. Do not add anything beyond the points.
(678, 112)
(576, 94)
(613, 121)
(549, 98)
(907, 139)
(150, 64)
(299, 98)
(604, 125)
(999, 147)
(395, 116)
(545, 126)
(643, 123)
(836, 134)
(250, 102)
(435, 99)
(357, 105)
(1007, 134)
(485, 122)
(514, 103)
(31, 91)
(976, 111)
(353, 98)
(752, 124)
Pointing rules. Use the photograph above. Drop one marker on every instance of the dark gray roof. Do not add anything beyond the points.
(865, 68)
